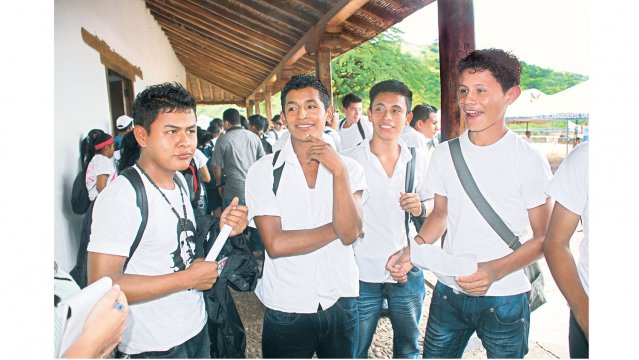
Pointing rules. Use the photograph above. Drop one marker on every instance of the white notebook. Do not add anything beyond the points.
(75, 310)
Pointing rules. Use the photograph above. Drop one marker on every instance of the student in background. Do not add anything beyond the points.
(101, 169)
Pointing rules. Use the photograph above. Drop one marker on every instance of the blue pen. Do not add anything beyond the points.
(118, 305)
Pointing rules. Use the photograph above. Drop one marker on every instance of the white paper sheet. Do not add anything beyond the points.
(79, 305)
(433, 258)
(220, 240)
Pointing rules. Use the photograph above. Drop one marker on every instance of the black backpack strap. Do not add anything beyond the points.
(341, 123)
(410, 183)
(179, 182)
(361, 128)
(141, 201)
(277, 173)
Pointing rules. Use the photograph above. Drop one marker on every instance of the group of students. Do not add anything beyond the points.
(339, 228)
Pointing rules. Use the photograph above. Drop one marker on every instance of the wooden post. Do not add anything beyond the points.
(285, 76)
(268, 94)
(249, 107)
(456, 40)
(257, 106)
(323, 69)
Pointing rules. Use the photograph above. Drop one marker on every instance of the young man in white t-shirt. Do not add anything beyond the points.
(277, 131)
(511, 175)
(163, 280)
(307, 221)
(569, 189)
(385, 158)
(426, 122)
(354, 128)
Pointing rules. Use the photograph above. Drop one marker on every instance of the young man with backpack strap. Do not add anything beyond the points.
(511, 175)
(163, 279)
(390, 165)
(354, 128)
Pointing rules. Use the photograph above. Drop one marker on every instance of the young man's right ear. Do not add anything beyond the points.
(140, 135)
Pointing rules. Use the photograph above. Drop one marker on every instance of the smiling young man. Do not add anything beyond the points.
(512, 176)
(308, 221)
(162, 280)
(385, 159)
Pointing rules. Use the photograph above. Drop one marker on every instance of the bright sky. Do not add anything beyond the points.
(546, 33)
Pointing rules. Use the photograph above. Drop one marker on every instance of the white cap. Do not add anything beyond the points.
(123, 122)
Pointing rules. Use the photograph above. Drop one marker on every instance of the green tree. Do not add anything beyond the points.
(386, 57)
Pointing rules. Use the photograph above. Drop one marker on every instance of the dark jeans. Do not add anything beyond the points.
(578, 344)
(501, 322)
(329, 333)
(404, 309)
(197, 347)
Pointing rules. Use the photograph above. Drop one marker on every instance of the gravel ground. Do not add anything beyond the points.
(252, 313)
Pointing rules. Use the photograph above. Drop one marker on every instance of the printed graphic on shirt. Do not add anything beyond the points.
(184, 253)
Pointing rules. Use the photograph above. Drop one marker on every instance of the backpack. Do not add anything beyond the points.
(79, 194)
(192, 177)
(79, 272)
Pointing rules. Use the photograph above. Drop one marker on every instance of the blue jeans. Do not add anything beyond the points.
(577, 342)
(404, 309)
(197, 347)
(501, 322)
(329, 333)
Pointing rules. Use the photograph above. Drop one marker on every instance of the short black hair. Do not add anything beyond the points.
(232, 116)
(259, 122)
(302, 81)
(161, 98)
(349, 99)
(503, 65)
(422, 112)
(392, 86)
(276, 118)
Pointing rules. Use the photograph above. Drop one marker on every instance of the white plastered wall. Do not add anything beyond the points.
(81, 100)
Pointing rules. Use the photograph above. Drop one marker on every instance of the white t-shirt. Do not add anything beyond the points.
(384, 225)
(200, 159)
(569, 187)
(351, 136)
(297, 284)
(335, 135)
(167, 321)
(99, 165)
(273, 135)
(512, 175)
(413, 138)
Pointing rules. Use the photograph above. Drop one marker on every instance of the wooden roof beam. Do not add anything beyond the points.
(187, 49)
(219, 48)
(341, 11)
(250, 22)
(193, 20)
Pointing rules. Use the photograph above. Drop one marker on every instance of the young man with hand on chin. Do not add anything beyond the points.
(308, 221)
(512, 176)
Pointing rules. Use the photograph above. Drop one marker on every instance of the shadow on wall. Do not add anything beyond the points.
(73, 221)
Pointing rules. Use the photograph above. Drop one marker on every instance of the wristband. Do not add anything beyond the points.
(419, 236)
(423, 212)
